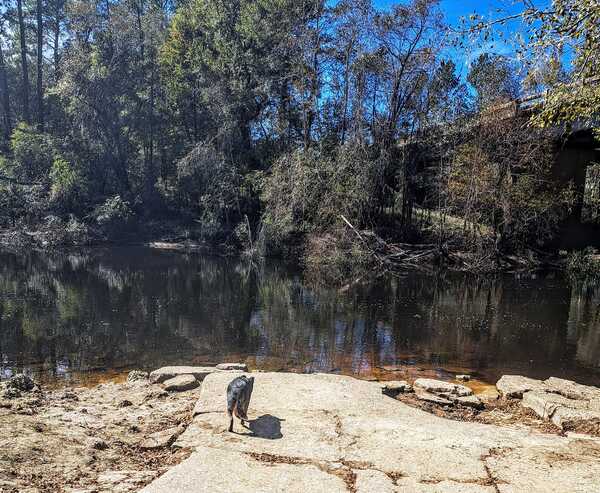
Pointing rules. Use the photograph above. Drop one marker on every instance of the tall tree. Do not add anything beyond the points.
(6, 119)
(24, 68)
(40, 64)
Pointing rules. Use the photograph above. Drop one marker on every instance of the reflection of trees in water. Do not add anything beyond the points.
(137, 307)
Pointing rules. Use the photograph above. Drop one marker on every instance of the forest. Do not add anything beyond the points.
(341, 133)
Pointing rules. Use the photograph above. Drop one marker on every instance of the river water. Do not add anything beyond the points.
(79, 318)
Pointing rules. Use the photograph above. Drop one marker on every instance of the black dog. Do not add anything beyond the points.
(239, 392)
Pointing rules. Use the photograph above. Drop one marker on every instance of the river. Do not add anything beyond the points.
(80, 318)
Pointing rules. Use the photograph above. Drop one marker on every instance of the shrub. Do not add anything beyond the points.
(213, 188)
(68, 188)
(33, 153)
(584, 264)
(307, 191)
(114, 215)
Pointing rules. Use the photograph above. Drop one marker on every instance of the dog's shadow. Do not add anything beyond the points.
(266, 426)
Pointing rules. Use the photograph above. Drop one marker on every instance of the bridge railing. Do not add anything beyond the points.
(511, 109)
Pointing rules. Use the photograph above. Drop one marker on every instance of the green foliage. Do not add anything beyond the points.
(33, 154)
(114, 215)
(211, 188)
(68, 187)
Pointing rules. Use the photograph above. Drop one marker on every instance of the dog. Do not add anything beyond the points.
(239, 392)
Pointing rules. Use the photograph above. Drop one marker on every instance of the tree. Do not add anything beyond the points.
(40, 65)
(562, 26)
(24, 67)
(494, 79)
(6, 116)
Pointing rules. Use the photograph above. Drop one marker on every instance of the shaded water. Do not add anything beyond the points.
(81, 317)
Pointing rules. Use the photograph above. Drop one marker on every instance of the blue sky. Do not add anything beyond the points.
(455, 9)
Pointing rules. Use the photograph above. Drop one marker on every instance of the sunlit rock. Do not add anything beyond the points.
(514, 386)
(181, 383)
(439, 386)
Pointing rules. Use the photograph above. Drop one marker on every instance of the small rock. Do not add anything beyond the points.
(441, 387)
(181, 383)
(468, 401)
(160, 439)
(124, 403)
(395, 387)
(233, 366)
(430, 397)
(166, 373)
(463, 378)
(138, 376)
(514, 386)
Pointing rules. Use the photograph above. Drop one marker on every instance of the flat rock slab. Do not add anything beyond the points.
(514, 386)
(572, 390)
(199, 372)
(181, 383)
(232, 366)
(331, 433)
(395, 387)
(441, 387)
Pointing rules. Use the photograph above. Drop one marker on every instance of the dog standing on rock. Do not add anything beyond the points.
(239, 392)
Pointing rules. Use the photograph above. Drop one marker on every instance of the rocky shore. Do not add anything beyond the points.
(166, 431)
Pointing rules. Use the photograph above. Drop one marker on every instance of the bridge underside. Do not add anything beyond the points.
(574, 161)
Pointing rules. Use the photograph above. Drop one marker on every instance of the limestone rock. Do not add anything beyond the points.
(571, 389)
(160, 439)
(233, 366)
(467, 401)
(181, 383)
(582, 420)
(545, 404)
(199, 372)
(441, 387)
(567, 414)
(334, 434)
(395, 387)
(514, 386)
(426, 396)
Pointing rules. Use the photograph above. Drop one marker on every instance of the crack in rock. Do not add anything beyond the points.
(491, 480)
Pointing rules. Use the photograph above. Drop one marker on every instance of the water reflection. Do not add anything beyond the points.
(65, 316)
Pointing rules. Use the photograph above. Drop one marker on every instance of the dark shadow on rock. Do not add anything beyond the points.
(266, 426)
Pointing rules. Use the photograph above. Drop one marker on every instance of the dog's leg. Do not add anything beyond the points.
(230, 421)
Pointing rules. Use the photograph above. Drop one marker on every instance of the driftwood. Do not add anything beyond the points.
(399, 256)
(393, 256)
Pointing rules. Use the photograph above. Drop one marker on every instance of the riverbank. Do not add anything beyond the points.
(307, 433)
(329, 258)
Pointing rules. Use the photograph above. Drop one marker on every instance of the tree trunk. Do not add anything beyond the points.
(25, 73)
(56, 54)
(40, 62)
(5, 97)
(346, 93)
